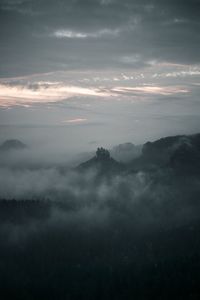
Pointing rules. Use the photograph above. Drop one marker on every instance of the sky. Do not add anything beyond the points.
(84, 73)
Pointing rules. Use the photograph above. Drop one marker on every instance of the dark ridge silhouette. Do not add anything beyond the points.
(12, 145)
(186, 159)
(102, 154)
(102, 162)
(181, 151)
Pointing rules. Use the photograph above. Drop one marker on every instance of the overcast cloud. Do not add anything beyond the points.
(40, 36)
(128, 65)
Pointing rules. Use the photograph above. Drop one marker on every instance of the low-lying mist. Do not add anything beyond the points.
(158, 197)
(103, 229)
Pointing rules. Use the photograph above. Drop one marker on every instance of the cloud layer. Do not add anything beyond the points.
(40, 37)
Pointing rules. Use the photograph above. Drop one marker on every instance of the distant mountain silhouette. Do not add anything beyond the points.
(12, 145)
(181, 151)
(102, 162)
(126, 152)
(186, 157)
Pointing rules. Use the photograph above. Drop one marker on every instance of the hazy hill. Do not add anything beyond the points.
(126, 152)
(12, 145)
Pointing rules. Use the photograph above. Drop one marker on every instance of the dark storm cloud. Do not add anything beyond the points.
(40, 36)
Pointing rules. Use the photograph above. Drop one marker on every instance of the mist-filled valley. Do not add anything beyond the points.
(121, 223)
(99, 150)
